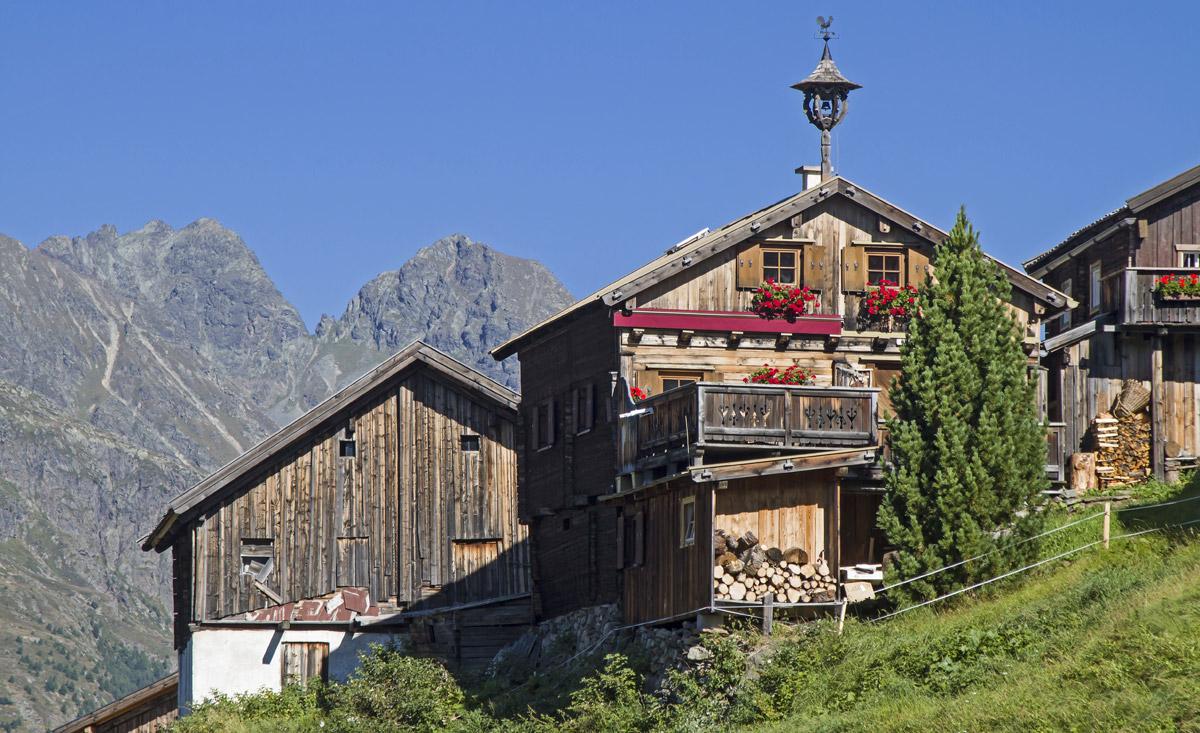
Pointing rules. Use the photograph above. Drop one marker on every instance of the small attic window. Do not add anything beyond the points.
(347, 448)
(470, 443)
(258, 557)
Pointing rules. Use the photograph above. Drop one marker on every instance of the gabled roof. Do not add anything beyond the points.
(1099, 229)
(690, 253)
(415, 355)
(166, 686)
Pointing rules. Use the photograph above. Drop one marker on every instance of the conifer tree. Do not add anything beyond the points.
(968, 449)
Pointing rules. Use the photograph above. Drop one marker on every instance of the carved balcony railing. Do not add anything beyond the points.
(680, 425)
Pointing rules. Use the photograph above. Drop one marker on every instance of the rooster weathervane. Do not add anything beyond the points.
(825, 32)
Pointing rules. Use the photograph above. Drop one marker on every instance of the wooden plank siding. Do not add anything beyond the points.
(389, 518)
(783, 510)
(672, 580)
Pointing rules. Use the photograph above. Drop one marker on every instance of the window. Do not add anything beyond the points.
(304, 661)
(780, 265)
(1189, 259)
(469, 443)
(1094, 294)
(672, 379)
(1066, 316)
(258, 557)
(542, 425)
(584, 408)
(885, 266)
(347, 448)
(687, 521)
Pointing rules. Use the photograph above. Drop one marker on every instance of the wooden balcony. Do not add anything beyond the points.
(685, 426)
(1131, 296)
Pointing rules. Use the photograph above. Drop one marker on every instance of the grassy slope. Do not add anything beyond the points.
(1105, 640)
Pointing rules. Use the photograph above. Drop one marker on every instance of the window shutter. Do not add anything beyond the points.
(552, 422)
(534, 420)
(639, 539)
(813, 266)
(749, 266)
(589, 409)
(620, 540)
(918, 267)
(577, 423)
(854, 269)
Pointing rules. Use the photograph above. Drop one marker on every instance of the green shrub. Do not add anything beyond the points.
(609, 700)
(394, 692)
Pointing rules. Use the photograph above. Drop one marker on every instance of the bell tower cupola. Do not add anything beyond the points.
(825, 91)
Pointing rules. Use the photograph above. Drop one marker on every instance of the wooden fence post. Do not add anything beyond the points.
(842, 614)
(1107, 514)
(768, 612)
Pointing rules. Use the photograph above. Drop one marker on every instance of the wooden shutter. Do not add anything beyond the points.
(749, 266)
(813, 266)
(639, 539)
(550, 421)
(918, 266)
(534, 428)
(589, 408)
(854, 269)
(303, 661)
(576, 413)
(620, 540)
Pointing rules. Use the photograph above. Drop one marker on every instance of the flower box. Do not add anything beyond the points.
(781, 300)
(1178, 287)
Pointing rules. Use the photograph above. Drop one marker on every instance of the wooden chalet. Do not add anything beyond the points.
(150, 709)
(1123, 337)
(623, 498)
(388, 511)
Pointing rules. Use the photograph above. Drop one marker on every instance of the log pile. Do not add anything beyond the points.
(1122, 448)
(745, 570)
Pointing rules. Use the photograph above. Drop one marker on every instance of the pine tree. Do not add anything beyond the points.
(968, 449)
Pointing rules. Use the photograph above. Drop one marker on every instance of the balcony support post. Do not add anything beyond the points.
(1158, 422)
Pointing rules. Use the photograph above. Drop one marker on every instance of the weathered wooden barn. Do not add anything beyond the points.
(386, 512)
(623, 499)
(150, 709)
(1125, 329)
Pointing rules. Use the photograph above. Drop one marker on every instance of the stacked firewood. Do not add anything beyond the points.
(745, 570)
(1122, 448)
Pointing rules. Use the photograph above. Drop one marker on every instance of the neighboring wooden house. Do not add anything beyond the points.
(623, 499)
(150, 709)
(387, 511)
(1121, 329)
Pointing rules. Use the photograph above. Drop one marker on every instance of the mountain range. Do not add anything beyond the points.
(131, 366)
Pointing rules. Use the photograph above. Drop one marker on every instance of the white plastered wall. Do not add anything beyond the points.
(237, 660)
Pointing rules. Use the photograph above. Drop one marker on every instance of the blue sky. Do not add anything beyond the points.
(338, 138)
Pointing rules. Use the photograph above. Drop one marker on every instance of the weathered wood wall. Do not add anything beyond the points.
(410, 515)
(672, 580)
(783, 510)
(572, 538)
(1174, 221)
(1098, 367)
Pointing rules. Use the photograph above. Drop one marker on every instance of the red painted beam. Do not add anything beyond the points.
(670, 319)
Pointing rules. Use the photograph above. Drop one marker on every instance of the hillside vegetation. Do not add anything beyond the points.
(1100, 640)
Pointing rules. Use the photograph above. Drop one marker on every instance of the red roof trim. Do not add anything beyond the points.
(815, 325)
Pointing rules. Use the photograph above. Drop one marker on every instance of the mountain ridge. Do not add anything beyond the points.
(132, 365)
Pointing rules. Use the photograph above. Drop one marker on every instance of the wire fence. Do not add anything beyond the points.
(1103, 540)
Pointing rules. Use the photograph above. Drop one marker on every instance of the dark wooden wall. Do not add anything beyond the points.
(410, 516)
(1174, 221)
(673, 580)
(572, 537)
(579, 355)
